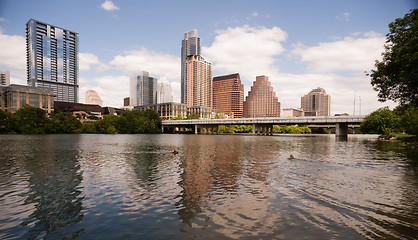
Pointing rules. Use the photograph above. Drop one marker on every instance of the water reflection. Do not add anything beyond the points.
(53, 190)
(237, 187)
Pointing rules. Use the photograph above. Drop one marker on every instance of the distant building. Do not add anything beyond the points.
(171, 110)
(80, 110)
(164, 92)
(93, 98)
(196, 73)
(143, 89)
(126, 101)
(190, 46)
(261, 100)
(203, 112)
(4, 78)
(227, 95)
(52, 59)
(167, 110)
(292, 112)
(316, 103)
(14, 96)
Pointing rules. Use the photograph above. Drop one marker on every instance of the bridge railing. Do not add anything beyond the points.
(274, 120)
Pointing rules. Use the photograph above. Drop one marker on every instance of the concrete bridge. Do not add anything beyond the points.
(264, 126)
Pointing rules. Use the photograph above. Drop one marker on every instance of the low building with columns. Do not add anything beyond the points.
(15, 96)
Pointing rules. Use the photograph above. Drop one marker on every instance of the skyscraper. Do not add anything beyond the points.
(52, 59)
(4, 78)
(164, 92)
(261, 100)
(316, 103)
(143, 89)
(227, 95)
(196, 73)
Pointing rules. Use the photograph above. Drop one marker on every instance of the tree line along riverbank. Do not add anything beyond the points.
(401, 123)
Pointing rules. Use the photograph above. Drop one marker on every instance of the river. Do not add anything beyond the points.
(216, 187)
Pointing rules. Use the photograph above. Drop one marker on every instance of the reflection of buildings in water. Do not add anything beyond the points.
(54, 187)
(221, 171)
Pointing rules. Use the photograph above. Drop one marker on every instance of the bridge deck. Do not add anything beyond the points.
(270, 121)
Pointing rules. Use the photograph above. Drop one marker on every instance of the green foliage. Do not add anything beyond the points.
(396, 76)
(242, 128)
(30, 120)
(63, 123)
(179, 117)
(5, 122)
(193, 116)
(291, 129)
(382, 121)
(225, 129)
(220, 116)
(408, 119)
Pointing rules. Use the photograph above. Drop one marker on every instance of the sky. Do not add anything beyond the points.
(300, 45)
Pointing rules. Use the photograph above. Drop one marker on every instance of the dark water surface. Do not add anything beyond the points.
(216, 187)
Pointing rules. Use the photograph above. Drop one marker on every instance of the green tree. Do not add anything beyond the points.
(382, 121)
(396, 76)
(30, 120)
(5, 122)
(408, 118)
(64, 123)
(193, 116)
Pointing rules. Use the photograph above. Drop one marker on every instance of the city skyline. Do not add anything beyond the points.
(299, 46)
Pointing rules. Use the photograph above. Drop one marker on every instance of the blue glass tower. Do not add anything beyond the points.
(52, 59)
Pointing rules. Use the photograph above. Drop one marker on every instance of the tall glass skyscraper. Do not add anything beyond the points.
(196, 73)
(143, 89)
(52, 59)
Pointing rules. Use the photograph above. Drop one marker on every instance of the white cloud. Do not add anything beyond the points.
(254, 14)
(109, 6)
(89, 60)
(13, 52)
(247, 50)
(349, 54)
(344, 16)
(157, 64)
(111, 89)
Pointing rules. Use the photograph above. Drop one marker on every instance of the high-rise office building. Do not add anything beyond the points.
(316, 103)
(93, 98)
(143, 89)
(198, 82)
(164, 92)
(261, 100)
(227, 95)
(5, 78)
(196, 73)
(52, 59)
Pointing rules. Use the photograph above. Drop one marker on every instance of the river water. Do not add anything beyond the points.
(216, 187)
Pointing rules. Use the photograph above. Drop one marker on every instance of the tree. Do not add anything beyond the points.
(5, 122)
(193, 116)
(30, 120)
(63, 122)
(396, 76)
(382, 121)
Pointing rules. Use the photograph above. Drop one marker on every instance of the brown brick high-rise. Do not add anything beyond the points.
(261, 100)
(227, 95)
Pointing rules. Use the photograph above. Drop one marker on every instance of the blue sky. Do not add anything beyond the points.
(299, 45)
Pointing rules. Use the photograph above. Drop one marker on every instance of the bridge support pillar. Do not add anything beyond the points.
(341, 130)
(196, 129)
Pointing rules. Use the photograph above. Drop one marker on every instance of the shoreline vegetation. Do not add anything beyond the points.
(399, 124)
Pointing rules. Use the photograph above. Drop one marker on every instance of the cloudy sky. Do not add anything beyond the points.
(299, 45)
